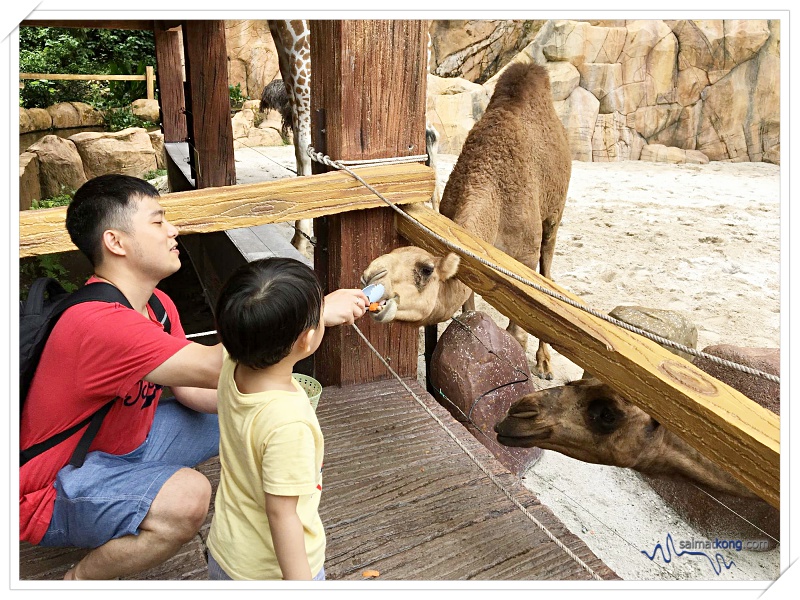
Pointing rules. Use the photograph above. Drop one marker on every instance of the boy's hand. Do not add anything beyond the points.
(344, 306)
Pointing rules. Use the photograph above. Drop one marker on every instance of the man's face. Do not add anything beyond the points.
(154, 249)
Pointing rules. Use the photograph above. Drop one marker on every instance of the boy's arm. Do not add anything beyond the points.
(287, 536)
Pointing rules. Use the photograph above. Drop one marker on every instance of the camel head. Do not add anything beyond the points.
(419, 287)
(583, 419)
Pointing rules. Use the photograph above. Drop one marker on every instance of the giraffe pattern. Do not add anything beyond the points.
(294, 61)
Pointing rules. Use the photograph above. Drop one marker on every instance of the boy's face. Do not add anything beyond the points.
(154, 249)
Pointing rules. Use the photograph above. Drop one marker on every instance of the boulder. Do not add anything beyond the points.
(564, 78)
(453, 108)
(157, 141)
(25, 121)
(29, 187)
(662, 153)
(64, 115)
(242, 122)
(60, 166)
(479, 370)
(40, 118)
(613, 140)
(475, 50)
(88, 115)
(252, 59)
(762, 391)
(127, 152)
(258, 136)
(146, 109)
(578, 114)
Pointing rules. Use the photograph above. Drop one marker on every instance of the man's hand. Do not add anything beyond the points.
(343, 307)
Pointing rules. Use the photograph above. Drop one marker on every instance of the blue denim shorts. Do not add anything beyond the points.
(109, 496)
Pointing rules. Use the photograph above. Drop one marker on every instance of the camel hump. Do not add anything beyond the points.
(521, 79)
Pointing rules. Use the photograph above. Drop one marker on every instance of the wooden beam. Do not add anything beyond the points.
(208, 103)
(368, 101)
(721, 423)
(169, 80)
(230, 207)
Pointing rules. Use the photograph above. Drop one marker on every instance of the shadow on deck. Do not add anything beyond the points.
(402, 497)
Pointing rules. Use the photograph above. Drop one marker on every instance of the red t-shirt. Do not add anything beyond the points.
(96, 351)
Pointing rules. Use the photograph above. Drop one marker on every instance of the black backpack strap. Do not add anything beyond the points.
(98, 291)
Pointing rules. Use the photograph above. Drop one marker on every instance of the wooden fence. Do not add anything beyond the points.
(724, 425)
(148, 77)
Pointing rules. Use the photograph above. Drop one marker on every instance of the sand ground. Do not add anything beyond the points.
(700, 239)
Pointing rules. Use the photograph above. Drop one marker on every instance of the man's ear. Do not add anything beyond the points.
(112, 240)
(448, 266)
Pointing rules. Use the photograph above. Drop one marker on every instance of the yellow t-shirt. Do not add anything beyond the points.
(269, 442)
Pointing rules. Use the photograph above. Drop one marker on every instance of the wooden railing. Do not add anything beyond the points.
(722, 424)
(148, 77)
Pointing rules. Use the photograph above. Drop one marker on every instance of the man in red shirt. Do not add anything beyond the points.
(136, 499)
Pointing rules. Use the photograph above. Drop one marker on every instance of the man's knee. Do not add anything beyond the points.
(181, 506)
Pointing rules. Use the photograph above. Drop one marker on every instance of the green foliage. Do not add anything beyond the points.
(62, 199)
(83, 51)
(154, 174)
(46, 265)
(236, 95)
(117, 119)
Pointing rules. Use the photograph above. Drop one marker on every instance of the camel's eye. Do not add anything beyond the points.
(422, 274)
(603, 416)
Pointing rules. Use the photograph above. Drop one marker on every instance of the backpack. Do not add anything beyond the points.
(46, 302)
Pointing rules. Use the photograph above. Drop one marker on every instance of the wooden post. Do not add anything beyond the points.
(169, 78)
(209, 128)
(368, 84)
(149, 78)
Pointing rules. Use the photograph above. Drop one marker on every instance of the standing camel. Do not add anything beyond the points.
(508, 187)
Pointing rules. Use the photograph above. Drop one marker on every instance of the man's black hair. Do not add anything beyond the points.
(264, 307)
(104, 202)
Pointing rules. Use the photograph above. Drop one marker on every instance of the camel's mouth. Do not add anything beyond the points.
(386, 310)
(520, 428)
(527, 440)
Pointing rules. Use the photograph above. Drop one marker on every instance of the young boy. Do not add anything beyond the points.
(266, 523)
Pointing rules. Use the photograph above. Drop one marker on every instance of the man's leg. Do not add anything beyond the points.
(175, 516)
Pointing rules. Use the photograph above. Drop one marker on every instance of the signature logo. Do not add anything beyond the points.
(717, 563)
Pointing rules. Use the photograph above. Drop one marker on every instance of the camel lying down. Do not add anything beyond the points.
(589, 421)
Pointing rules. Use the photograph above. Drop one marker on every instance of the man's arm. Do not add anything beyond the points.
(202, 400)
(287, 536)
(194, 365)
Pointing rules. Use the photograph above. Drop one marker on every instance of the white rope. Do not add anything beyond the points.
(394, 160)
(326, 160)
(477, 462)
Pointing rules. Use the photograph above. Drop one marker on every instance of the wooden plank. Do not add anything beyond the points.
(230, 207)
(368, 86)
(169, 79)
(208, 103)
(721, 423)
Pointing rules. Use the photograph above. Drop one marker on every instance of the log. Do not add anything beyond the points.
(230, 207)
(721, 423)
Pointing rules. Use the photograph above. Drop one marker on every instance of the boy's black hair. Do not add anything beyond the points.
(102, 203)
(264, 307)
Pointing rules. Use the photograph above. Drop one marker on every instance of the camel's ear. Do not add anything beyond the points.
(448, 266)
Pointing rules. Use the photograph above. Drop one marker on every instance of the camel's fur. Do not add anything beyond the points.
(508, 187)
(589, 421)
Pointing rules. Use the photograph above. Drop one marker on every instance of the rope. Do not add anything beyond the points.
(477, 462)
(326, 160)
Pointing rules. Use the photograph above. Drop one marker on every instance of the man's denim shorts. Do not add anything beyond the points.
(109, 496)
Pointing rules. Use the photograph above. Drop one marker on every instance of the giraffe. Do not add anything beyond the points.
(291, 40)
(294, 62)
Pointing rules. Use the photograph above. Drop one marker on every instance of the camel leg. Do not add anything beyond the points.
(548, 246)
(543, 369)
(469, 304)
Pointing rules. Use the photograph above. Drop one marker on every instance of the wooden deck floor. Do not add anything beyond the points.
(402, 497)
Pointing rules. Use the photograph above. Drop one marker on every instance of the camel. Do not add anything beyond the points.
(508, 187)
(587, 420)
